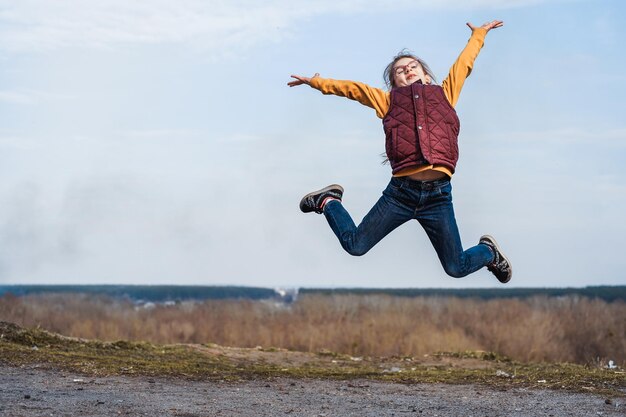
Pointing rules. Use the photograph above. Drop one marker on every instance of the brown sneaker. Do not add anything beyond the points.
(315, 201)
(500, 266)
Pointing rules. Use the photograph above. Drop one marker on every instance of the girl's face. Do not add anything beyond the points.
(406, 71)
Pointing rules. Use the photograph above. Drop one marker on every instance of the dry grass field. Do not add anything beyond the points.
(538, 329)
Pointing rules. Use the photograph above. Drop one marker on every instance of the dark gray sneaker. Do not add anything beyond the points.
(500, 266)
(315, 200)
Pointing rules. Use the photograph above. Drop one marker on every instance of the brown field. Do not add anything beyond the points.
(568, 329)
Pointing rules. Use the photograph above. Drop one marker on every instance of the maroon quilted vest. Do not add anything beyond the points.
(421, 128)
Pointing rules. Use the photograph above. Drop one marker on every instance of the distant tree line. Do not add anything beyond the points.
(151, 293)
(162, 293)
(606, 293)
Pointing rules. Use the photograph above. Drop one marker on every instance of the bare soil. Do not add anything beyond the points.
(34, 391)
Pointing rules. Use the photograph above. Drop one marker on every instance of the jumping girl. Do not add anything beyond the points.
(421, 129)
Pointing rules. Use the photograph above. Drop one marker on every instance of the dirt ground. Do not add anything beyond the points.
(34, 391)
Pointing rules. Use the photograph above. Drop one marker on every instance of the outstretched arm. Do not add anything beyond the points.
(363, 93)
(462, 67)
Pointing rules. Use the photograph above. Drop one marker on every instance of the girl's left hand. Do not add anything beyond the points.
(301, 80)
(487, 26)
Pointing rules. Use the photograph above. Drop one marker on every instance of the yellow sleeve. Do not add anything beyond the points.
(463, 65)
(368, 96)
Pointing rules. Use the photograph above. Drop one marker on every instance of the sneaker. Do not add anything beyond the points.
(500, 266)
(315, 201)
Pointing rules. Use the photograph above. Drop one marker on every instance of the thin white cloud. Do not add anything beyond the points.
(38, 25)
(25, 97)
(563, 136)
(237, 138)
(44, 25)
(14, 97)
(17, 142)
(158, 133)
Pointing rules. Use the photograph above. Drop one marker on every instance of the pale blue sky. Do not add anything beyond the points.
(156, 142)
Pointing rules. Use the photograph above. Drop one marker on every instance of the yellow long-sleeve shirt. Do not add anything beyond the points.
(380, 100)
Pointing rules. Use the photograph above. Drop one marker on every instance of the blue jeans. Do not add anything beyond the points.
(430, 203)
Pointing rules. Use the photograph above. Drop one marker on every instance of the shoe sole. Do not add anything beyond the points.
(323, 190)
(495, 243)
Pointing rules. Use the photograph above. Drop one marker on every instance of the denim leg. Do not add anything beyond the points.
(386, 215)
(437, 219)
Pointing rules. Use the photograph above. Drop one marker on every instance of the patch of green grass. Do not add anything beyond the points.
(508, 375)
(474, 354)
(24, 346)
(19, 346)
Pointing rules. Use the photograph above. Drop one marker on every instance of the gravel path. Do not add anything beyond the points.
(37, 392)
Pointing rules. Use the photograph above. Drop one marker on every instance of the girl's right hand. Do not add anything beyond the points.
(301, 80)
(494, 24)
